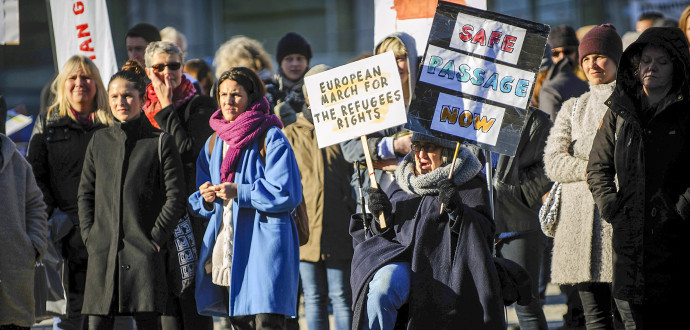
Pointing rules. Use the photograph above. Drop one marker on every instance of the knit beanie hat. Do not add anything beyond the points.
(146, 31)
(562, 36)
(419, 137)
(604, 40)
(292, 43)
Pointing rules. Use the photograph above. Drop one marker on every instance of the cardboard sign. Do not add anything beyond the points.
(356, 99)
(477, 77)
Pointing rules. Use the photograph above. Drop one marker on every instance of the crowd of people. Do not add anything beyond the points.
(111, 169)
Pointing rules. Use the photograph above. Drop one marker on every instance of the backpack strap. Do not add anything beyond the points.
(211, 144)
(188, 109)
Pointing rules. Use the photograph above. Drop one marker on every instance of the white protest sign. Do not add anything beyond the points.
(467, 119)
(489, 38)
(9, 22)
(83, 28)
(356, 99)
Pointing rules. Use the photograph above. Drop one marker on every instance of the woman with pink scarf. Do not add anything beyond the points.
(248, 183)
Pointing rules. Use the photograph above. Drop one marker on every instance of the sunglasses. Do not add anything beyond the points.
(418, 147)
(565, 51)
(173, 66)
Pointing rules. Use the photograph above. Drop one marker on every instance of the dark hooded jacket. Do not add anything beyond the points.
(561, 84)
(648, 149)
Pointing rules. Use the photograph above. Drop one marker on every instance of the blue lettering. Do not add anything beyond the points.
(448, 70)
(478, 78)
(464, 75)
(521, 88)
(506, 86)
(492, 81)
(434, 62)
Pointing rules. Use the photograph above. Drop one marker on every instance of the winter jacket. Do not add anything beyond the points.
(448, 289)
(265, 256)
(561, 84)
(128, 198)
(286, 97)
(582, 244)
(23, 236)
(648, 150)
(327, 193)
(520, 181)
(56, 154)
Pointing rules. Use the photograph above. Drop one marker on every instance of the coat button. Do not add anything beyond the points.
(125, 267)
(65, 129)
(654, 211)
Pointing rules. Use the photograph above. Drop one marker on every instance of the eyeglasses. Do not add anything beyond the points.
(173, 66)
(418, 147)
(566, 51)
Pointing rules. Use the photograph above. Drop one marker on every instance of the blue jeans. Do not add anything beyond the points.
(388, 291)
(322, 281)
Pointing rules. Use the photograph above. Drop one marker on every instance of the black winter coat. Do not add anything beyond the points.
(56, 154)
(125, 202)
(561, 84)
(448, 290)
(649, 151)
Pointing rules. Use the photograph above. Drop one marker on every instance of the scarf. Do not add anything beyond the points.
(241, 132)
(181, 94)
(84, 121)
(466, 167)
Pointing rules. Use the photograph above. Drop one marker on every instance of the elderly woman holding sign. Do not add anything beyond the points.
(248, 183)
(450, 253)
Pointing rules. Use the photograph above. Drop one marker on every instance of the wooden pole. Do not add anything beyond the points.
(452, 166)
(372, 176)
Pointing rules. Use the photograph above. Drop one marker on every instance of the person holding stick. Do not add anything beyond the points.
(445, 257)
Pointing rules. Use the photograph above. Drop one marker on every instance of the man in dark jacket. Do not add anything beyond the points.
(643, 140)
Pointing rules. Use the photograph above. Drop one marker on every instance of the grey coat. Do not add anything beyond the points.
(582, 245)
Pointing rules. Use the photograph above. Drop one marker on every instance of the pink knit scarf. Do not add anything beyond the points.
(241, 132)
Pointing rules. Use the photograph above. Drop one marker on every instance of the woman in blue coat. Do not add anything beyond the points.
(249, 182)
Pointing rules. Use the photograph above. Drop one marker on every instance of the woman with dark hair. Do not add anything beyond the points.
(56, 154)
(644, 143)
(131, 195)
(249, 182)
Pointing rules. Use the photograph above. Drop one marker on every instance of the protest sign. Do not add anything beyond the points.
(83, 28)
(477, 77)
(9, 22)
(356, 99)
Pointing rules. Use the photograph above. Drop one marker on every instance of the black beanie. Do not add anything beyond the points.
(562, 36)
(147, 31)
(292, 43)
(604, 40)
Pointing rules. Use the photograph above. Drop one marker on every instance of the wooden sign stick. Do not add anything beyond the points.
(372, 176)
(452, 166)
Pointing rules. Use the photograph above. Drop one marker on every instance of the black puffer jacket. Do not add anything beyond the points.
(649, 151)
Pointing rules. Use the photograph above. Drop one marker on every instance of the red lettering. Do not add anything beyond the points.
(466, 33)
(78, 8)
(92, 57)
(86, 46)
(480, 37)
(82, 30)
(494, 38)
(508, 43)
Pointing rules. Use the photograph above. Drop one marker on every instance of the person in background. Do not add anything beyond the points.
(684, 22)
(582, 242)
(171, 34)
(247, 52)
(137, 38)
(325, 260)
(131, 194)
(173, 105)
(562, 81)
(647, 20)
(23, 237)
(293, 54)
(202, 72)
(642, 142)
(56, 153)
(249, 182)
(546, 64)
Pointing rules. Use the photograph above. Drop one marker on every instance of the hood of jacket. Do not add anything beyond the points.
(412, 61)
(625, 99)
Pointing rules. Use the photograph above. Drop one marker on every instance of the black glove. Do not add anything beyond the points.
(379, 202)
(448, 196)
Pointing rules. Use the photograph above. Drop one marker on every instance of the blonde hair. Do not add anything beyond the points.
(393, 44)
(684, 19)
(241, 51)
(101, 111)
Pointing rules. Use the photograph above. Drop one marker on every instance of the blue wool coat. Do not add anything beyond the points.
(265, 263)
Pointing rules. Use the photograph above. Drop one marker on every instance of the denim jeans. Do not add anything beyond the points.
(526, 250)
(388, 291)
(322, 281)
(596, 304)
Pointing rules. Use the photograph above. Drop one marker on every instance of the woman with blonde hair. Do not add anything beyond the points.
(56, 154)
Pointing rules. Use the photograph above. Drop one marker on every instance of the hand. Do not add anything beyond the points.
(448, 195)
(379, 202)
(403, 145)
(226, 191)
(208, 192)
(390, 164)
(162, 86)
(158, 248)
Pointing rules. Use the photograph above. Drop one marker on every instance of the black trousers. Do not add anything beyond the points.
(258, 321)
(144, 321)
(596, 304)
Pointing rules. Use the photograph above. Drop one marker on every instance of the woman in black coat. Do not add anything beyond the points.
(644, 141)
(441, 264)
(131, 195)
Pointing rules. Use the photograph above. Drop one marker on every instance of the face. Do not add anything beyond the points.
(656, 69)
(427, 157)
(136, 47)
(559, 53)
(402, 67)
(80, 89)
(164, 60)
(599, 69)
(233, 99)
(642, 25)
(124, 100)
(294, 66)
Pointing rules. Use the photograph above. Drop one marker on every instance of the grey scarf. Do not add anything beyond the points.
(466, 167)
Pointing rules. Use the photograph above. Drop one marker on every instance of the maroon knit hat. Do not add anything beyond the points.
(602, 39)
